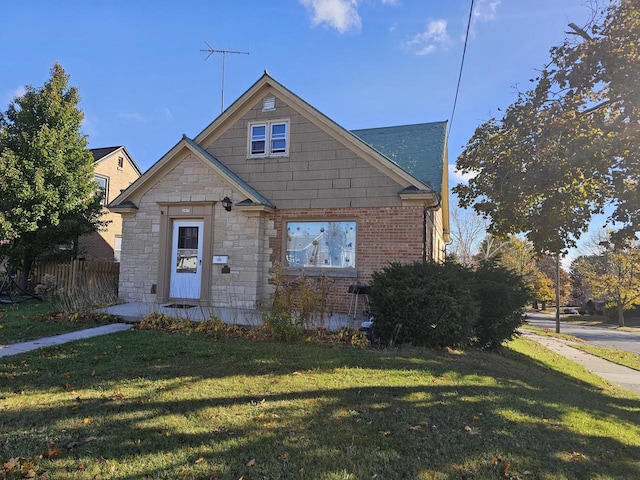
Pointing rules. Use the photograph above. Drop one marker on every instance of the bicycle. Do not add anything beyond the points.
(11, 292)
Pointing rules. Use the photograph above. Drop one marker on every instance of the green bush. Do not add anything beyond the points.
(423, 304)
(447, 304)
(501, 295)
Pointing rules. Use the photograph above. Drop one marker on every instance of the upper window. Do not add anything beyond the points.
(323, 244)
(103, 185)
(269, 139)
(120, 163)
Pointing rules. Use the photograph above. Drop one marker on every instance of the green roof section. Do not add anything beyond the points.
(419, 149)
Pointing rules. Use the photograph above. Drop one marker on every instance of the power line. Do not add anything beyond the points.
(464, 51)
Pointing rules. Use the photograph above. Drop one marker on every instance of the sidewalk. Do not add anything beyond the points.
(620, 375)
(16, 348)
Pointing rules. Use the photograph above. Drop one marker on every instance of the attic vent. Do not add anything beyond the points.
(269, 103)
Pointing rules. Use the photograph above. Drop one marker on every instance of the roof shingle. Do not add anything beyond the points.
(418, 149)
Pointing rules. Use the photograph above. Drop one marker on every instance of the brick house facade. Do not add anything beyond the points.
(272, 181)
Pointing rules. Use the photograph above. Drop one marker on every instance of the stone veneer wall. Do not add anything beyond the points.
(383, 235)
(243, 237)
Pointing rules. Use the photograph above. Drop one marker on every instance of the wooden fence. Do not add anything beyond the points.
(78, 274)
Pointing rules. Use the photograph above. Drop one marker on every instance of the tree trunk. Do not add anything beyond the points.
(620, 315)
(27, 264)
(558, 293)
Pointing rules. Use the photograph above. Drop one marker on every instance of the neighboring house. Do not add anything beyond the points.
(114, 171)
(274, 181)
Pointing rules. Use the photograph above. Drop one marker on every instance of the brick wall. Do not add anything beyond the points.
(383, 235)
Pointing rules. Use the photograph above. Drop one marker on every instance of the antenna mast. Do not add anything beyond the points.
(211, 51)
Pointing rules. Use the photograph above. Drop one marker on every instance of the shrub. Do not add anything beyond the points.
(501, 294)
(424, 304)
(447, 304)
(298, 304)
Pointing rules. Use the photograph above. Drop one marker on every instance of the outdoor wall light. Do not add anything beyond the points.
(226, 203)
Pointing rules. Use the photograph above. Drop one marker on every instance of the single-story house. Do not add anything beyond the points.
(273, 181)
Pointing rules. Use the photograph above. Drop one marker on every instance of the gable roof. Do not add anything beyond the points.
(102, 152)
(126, 200)
(99, 153)
(267, 84)
(414, 156)
(418, 149)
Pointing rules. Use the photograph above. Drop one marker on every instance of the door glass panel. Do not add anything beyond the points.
(187, 261)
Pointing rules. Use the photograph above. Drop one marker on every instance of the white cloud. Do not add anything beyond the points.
(391, 2)
(90, 125)
(11, 95)
(339, 14)
(135, 117)
(456, 177)
(18, 92)
(433, 38)
(485, 10)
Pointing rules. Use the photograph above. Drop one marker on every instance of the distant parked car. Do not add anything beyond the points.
(571, 311)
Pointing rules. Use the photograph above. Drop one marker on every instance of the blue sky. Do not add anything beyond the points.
(144, 80)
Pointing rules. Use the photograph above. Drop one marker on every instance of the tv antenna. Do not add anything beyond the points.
(211, 51)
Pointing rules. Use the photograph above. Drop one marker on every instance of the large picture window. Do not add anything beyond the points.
(269, 139)
(321, 244)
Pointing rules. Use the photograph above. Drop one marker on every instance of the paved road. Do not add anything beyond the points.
(608, 337)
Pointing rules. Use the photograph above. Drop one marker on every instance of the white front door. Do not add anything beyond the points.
(186, 259)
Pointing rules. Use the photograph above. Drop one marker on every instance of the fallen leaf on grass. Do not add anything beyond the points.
(12, 463)
(77, 443)
(576, 456)
(116, 396)
(53, 450)
(419, 426)
(200, 460)
(471, 430)
(251, 462)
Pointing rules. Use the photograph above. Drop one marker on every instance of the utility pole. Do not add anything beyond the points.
(211, 51)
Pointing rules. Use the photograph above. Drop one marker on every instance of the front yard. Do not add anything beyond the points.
(33, 319)
(145, 404)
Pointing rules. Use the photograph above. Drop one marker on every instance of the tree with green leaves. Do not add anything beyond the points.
(612, 274)
(569, 146)
(48, 196)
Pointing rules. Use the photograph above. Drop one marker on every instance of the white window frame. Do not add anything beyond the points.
(268, 139)
(105, 197)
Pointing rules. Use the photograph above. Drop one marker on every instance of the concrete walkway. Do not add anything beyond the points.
(16, 348)
(620, 375)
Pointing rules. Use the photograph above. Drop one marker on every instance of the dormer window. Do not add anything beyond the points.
(269, 139)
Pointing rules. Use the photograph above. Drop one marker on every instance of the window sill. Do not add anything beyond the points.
(267, 157)
(319, 272)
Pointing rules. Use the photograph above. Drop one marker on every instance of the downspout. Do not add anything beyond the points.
(425, 210)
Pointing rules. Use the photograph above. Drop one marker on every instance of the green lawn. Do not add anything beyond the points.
(145, 404)
(628, 359)
(17, 322)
